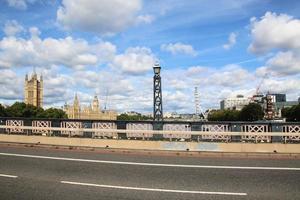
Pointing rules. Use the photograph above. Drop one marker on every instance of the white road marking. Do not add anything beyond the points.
(151, 164)
(154, 189)
(8, 176)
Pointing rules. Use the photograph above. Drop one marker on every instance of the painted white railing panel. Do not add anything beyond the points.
(104, 125)
(177, 127)
(15, 126)
(73, 125)
(292, 129)
(139, 126)
(41, 124)
(254, 128)
(218, 129)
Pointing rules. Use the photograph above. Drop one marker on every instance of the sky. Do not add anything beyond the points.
(108, 48)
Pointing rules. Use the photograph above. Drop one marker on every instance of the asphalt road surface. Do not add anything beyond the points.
(38, 173)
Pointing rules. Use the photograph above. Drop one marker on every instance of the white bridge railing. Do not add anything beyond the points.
(256, 134)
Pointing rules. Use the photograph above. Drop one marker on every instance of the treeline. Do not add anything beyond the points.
(126, 117)
(292, 114)
(20, 109)
(251, 112)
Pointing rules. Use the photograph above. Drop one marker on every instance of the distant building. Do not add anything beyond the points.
(132, 113)
(92, 112)
(171, 115)
(234, 103)
(279, 97)
(279, 102)
(33, 90)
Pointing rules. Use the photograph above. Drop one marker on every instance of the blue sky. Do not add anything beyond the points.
(108, 47)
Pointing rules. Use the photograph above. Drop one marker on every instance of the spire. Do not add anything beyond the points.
(34, 75)
(95, 103)
(76, 101)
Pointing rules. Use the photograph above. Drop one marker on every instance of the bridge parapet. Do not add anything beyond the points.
(291, 129)
(184, 128)
(104, 125)
(44, 124)
(75, 128)
(218, 129)
(255, 128)
(170, 130)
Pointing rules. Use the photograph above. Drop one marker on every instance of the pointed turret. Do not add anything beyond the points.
(95, 104)
(76, 101)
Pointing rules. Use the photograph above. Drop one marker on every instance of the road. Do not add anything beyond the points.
(40, 173)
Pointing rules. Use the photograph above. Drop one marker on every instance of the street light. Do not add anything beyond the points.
(156, 69)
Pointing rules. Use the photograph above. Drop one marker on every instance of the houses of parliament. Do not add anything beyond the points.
(33, 94)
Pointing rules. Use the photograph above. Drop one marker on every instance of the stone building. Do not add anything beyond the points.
(92, 111)
(33, 90)
(234, 103)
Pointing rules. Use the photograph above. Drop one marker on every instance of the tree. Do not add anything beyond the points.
(29, 111)
(137, 117)
(224, 115)
(16, 110)
(2, 111)
(251, 112)
(292, 113)
(55, 113)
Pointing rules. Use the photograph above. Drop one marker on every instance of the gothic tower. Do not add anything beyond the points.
(95, 104)
(33, 90)
(76, 107)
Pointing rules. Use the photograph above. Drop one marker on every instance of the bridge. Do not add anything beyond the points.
(150, 130)
(35, 172)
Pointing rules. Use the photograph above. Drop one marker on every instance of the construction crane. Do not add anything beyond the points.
(260, 83)
(258, 88)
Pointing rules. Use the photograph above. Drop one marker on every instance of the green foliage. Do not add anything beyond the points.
(20, 109)
(2, 111)
(292, 114)
(137, 117)
(252, 112)
(55, 113)
(16, 110)
(224, 115)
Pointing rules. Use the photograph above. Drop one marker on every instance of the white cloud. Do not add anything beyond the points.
(196, 70)
(12, 27)
(105, 17)
(69, 52)
(9, 85)
(274, 31)
(179, 48)
(226, 75)
(285, 63)
(290, 86)
(280, 35)
(231, 41)
(20, 4)
(147, 19)
(137, 60)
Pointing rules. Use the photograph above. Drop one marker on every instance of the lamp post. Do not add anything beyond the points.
(157, 96)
